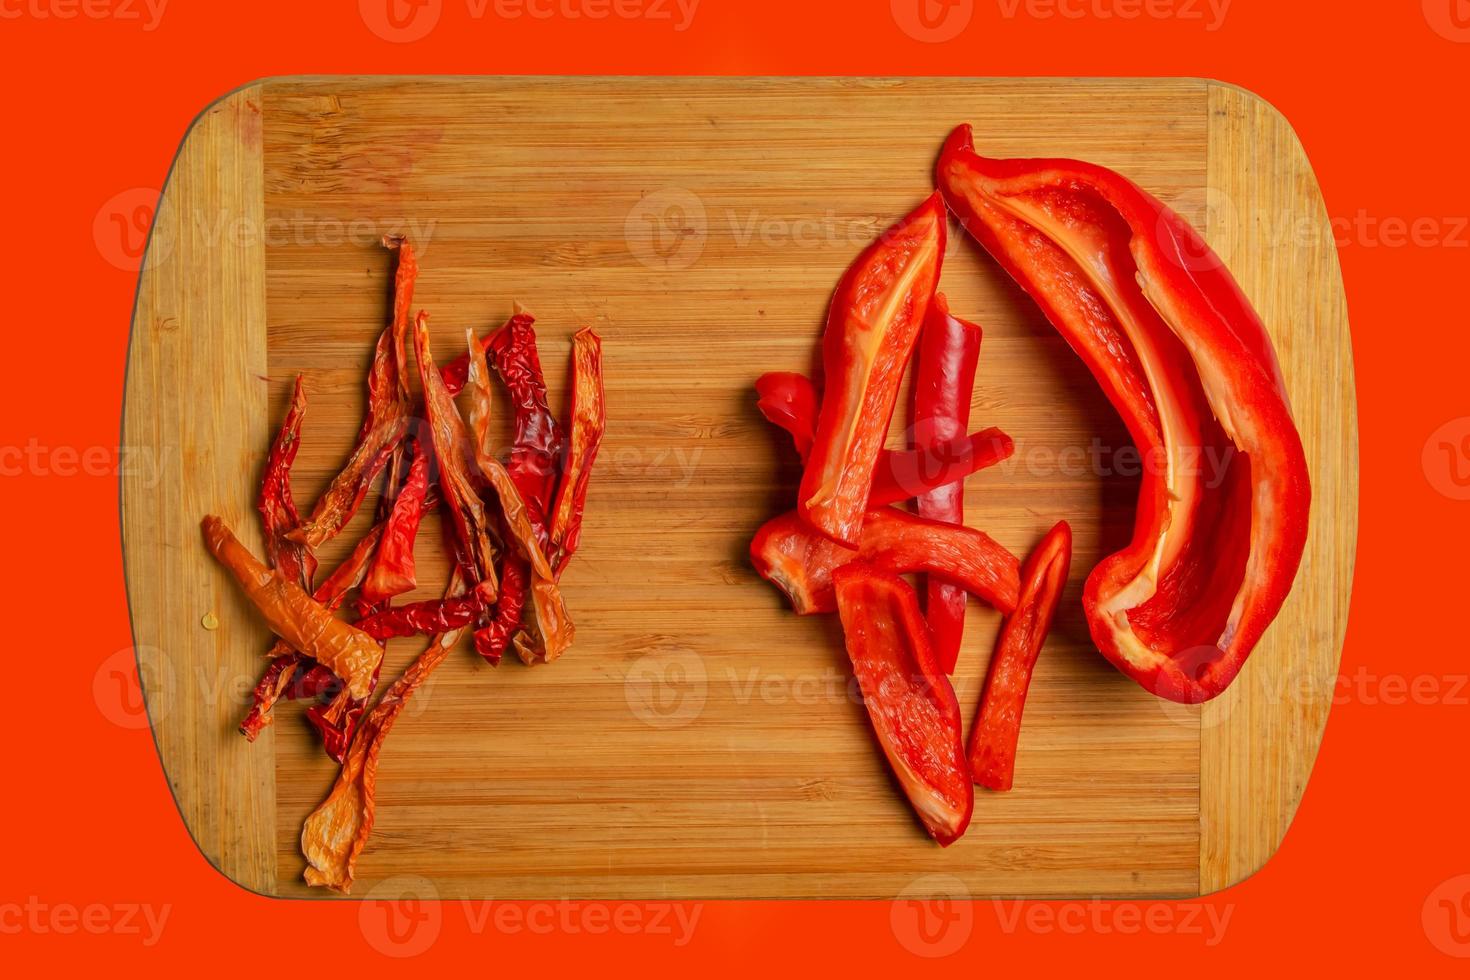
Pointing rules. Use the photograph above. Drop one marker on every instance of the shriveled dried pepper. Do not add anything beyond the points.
(392, 570)
(385, 423)
(801, 562)
(588, 422)
(998, 723)
(908, 697)
(536, 447)
(277, 504)
(294, 616)
(872, 324)
(1189, 366)
(944, 379)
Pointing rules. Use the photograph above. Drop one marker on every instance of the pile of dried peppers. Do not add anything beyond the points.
(1184, 359)
(511, 527)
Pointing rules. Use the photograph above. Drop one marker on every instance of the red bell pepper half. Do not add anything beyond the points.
(790, 401)
(908, 697)
(1222, 508)
(944, 379)
(801, 563)
(998, 725)
(872, 324)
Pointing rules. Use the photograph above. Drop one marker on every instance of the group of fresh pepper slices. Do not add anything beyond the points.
(511, 529)
(1178, 350)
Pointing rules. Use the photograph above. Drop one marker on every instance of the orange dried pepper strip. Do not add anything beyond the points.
(589, 420)
(294, 616)
(336, 832)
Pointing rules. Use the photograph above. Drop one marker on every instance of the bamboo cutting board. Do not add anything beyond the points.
(699, 740)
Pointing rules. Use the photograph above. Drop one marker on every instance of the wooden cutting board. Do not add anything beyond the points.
(699, 740)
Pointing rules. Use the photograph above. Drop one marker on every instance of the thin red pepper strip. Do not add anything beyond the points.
(453, 451)
(908, 697)
(294, 616)
(393, 570)
(872, 324)
(944, 379)
(336, 832)
(801, 563)
(998, 723)
(1225, 494)
(549, 630)
(536, 447)
(385, 422)
(789, 401)
(588, 422)
(277, 504)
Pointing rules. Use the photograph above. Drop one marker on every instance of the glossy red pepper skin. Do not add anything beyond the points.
(998, 722)
(1224, 500)
(537, 444)
(944, 380)
(392, 571)
(790, 401)
(587, 422)
(801, 563)
(908, 697)
(872, 324)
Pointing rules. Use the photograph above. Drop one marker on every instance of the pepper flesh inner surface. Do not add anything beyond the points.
(1223, 503)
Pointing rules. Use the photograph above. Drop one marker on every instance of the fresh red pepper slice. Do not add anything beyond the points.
(908, 697)
(393, 570)
(998, 724)
(790, 401)
(872, 324)
(944, 380)
(1175, 345)
(801, 562)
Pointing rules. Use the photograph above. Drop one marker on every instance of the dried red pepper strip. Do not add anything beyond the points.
(801, 562)
(277, 504)
(453, 452)
(789, 401)
(392, 570)
(384, 424)
(1223, 504)
(908, 697)
(294, 616)
(548, 630)
(536, 447)
(588, 422)
(424, 616)
(515, 582)
(872, 324)
(998, 724)
(944, 379)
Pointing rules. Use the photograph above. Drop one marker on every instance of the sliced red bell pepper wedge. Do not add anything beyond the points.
(872, 324)
(801, 562)
(998, 723)
(944, 380)
(790, 401)
(1223, 503)
(908, 697)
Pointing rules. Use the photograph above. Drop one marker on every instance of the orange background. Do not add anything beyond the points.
(94, 107)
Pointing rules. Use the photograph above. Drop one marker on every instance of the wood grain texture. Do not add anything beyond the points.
(699, 740)
(1259, 740)
(196, 410)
